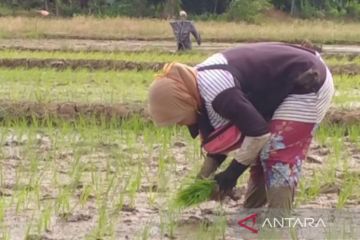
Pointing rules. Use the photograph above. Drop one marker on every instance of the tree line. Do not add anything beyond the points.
(247, 10)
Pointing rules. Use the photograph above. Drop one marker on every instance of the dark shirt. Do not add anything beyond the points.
(267, 74)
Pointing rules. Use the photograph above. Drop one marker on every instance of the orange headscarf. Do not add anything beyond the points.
(174, 97)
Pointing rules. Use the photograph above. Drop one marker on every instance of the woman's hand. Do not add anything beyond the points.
(227, 179)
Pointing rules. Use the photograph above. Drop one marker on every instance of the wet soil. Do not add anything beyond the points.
(132, 221)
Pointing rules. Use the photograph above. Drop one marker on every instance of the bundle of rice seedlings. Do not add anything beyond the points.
(195, 193)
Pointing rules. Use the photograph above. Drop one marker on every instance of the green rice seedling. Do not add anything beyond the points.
(346, 190)
(354, 134)
(195, 193)
(119, 203)
(1, 171)
(123, 182)
(44, 220)
(62, 203)
(145, 233)
(168, 222)
(213, 230)
(5, 234)
(85, 194)
(309, 189)
(29, 227)
(134, 185)
(152, 198)
(76, 171)
(161, 174)
(322, 135)
(329, 171)
(2, 210)
(21, 199)
(36, 192)
(104, 228)
(110, 180)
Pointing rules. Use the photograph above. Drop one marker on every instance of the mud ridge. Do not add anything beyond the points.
(61, 64)
(92, 64)
(71, 111)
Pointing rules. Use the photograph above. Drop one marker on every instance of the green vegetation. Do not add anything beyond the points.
(85, 86)
(120, 177)
(195, 193)
(205, 8)
(327, 180)
(150, 56)
(47, 85)
(342, 60)
(321, 31)
(61, 172)
(192, 57)
(65, 170)
(347, 90)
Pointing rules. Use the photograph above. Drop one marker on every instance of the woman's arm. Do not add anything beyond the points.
(211, 163)
(234, 106)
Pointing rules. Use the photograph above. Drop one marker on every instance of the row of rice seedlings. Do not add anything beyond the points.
(143, 56)
(342, 59)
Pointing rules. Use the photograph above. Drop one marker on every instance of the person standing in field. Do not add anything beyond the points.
(276, 94)
(182, 29)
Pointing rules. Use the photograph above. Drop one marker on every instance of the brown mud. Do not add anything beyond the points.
(61, 64)
(70, 111)
(93, 64)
